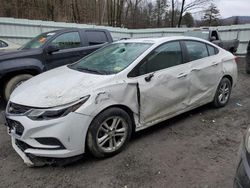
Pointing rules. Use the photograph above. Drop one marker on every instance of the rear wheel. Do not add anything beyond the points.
(109, 132)
(14, 83)
(223, 93)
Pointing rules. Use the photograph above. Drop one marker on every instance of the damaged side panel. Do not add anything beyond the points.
(164, 95)
(117, 94)
(204, 77)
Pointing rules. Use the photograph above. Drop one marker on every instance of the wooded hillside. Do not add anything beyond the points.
(117, 13)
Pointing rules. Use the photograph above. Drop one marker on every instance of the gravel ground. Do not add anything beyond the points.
(197, 149)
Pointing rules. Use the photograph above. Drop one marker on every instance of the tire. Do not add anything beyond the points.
(247, 68)
(102, 134)
(13, 83)
(223, 93)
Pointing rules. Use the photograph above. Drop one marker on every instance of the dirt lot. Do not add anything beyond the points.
(197, 149)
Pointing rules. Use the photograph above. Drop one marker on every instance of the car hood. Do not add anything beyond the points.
(13, 54)
(57, 87)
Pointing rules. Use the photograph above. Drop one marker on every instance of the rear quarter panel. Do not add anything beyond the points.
(230, 66)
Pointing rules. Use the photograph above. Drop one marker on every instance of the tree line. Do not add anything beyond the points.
(116, 13)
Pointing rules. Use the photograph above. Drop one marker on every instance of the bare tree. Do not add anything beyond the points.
(118, 13)
(172, 14)
(192, 5)
(160, 10)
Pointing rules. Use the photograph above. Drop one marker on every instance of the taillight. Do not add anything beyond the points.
(236, 59)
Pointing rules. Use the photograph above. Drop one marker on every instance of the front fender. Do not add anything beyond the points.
(21, 64)
(125, 94)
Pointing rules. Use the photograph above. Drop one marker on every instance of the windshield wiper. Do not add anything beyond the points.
(89, 70)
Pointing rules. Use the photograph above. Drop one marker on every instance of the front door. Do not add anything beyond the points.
(70, 48)
(163, 83)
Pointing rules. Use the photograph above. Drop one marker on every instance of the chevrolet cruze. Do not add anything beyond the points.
(127, 86)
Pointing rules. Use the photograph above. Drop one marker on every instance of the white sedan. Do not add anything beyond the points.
(7, 45)
(124, 87)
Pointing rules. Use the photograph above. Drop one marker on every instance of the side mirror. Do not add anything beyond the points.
(51, 48)
(213, 38)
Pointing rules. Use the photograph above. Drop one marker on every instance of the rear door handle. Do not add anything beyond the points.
(214, 64)
(182, 75)
(196, 70)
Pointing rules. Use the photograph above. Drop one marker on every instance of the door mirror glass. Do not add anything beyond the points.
(51, 48)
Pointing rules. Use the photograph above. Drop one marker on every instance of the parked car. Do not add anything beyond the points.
(124, 87)
(214, 37)
(6, 45)
(248, 59)
(242, 177)
(47, 51)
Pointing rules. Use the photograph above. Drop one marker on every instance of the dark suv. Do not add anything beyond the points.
(47, 51)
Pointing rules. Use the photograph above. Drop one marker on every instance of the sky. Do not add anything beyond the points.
(230, 8)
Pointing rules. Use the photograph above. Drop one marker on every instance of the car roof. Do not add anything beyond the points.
(74, 29)
(160, 39)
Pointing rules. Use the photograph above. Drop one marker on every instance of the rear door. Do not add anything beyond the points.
(69, 45)
(163, 82)
(94, 40)
(206, 71)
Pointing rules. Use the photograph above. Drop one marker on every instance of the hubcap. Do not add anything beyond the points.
(112, 134)
(224, 93)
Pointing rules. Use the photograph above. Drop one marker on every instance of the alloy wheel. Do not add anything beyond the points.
(224, 93)
(112, 134)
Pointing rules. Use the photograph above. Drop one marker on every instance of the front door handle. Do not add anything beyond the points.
(182, 75)
(149, 77)
(196, 70)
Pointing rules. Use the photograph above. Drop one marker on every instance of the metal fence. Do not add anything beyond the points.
(22, 30)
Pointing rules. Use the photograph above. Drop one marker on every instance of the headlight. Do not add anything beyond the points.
(56, 112)
(247, 140)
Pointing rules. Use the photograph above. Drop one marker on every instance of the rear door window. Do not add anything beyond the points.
(67, 40)
(96, 37)
(196, 50)
(211, 50)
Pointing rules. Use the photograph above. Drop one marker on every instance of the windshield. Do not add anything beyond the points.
(112, 58)
(38, 41)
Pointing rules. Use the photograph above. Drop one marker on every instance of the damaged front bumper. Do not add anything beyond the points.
(48, 141)
(26, 160)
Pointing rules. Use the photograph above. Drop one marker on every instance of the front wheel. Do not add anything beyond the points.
(13, 83)
(223, 93)
(109, 132)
